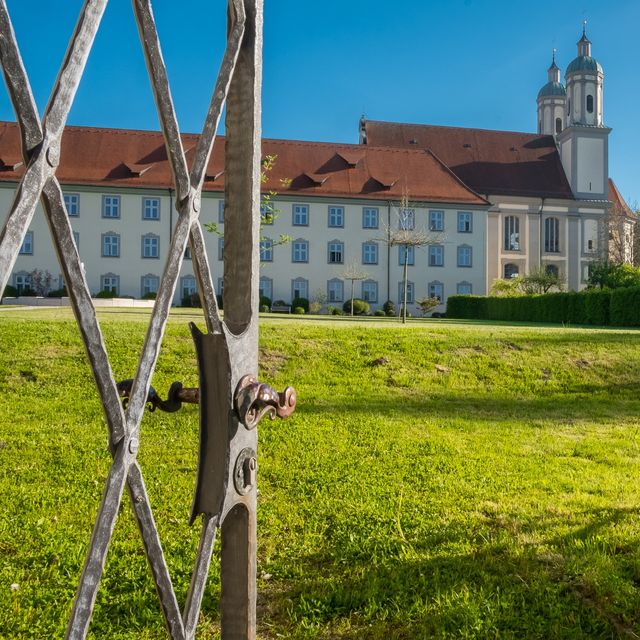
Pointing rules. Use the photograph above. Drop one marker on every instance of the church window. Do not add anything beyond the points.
(512, 233)
(511, 271)
(589, 104)
(552, 235)
(558, 125)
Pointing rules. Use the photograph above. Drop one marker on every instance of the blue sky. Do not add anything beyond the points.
(465, 63)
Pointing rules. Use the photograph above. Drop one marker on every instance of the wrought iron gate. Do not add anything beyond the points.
(231, 400)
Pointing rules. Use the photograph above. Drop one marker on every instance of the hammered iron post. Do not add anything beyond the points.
(227, 354)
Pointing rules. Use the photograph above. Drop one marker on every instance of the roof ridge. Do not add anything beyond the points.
(444, 126)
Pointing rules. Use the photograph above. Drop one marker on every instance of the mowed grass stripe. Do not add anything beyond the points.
(479, 481)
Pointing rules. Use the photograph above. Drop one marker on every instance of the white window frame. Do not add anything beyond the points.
(369, 253)
(436, 220)
(150, 246)
(149, 283)
(300, 250)
(465, 222)
(72, 204)
(26, 249)
(110, 245)
(266, 287)
(370, 217)
(300, 215)
(465, 256)
(297, 282)
(335, 290)
(411, 255)
(370, 291)
(150, 208)
(410, 292)
(111, 206)
(552, 235)
(266, 250)
(436, 290)
(188, 286)
(335, 216)
(406, 219)
(511, 232)
(113, 283)
(335, 252)
(436, 255)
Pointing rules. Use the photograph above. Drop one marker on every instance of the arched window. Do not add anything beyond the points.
(558, 125)
(512, 233)
(552, 235)
(589, 103)
(511, 271)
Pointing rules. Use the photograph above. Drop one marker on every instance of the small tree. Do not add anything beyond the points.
(542, 280)
(41, 282)
(509, 288)
(428, 304)
(354, 273)
(408, 236)
(318, 300)
(604, 275)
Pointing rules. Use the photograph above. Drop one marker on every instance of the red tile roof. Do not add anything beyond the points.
(127, 158)
(618, 202)
(490, 162)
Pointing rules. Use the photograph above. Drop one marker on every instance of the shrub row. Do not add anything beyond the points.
(617, 307)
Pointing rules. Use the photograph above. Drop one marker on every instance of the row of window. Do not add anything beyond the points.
(368, 290)
(370, 217)
(551, 234)
(111, 206)
(150, 245)
(370, 251)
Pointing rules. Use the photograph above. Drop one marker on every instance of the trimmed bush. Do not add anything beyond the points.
(360, 307)
(264, 308)
(389, 308)
(625, 307)
(9, 292)
(300, 302)
(151, 295)
(379, 313)
(57, 293)
(586, 307)
(265, 302)
(596, 306)
(106, 294)
(299, 311)
(336, 311)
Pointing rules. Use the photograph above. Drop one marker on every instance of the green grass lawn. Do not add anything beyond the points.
(482, 482)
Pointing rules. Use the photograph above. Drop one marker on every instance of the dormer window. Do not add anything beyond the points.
(589, 104)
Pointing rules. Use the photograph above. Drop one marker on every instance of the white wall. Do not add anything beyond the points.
(130, 266)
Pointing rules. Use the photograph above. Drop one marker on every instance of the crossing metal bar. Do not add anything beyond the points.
(228, 371)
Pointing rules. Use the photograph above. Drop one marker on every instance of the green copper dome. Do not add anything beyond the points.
(584, 63)
(552, 89)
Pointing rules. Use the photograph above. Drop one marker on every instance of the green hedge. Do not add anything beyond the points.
(594, 306)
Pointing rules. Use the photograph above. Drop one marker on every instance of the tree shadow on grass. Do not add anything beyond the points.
(496, 590)
(439, 405)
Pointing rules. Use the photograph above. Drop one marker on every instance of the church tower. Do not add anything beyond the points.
(552, 102)
(584, 141)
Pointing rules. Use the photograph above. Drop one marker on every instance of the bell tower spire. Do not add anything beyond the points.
(584, 142)
(552, 102)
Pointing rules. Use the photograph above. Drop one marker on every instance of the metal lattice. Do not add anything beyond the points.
(230, 400)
